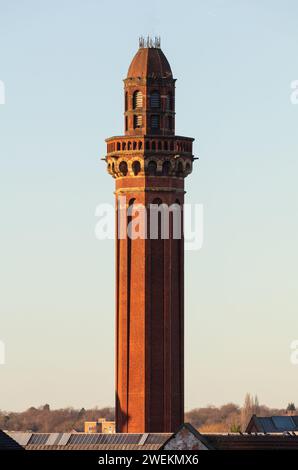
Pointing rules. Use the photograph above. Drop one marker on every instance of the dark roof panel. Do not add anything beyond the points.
(7, 443)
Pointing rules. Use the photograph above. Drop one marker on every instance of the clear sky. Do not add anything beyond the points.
(62, 63)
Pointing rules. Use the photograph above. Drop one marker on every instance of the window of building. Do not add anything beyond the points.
(137, 121)
(155, 121)
(166, 167)
(123, 168)
(137, 99)
(152, 168)
(136, 167)
(155, 99)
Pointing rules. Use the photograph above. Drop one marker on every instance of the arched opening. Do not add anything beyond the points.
(126, 101)
(188, 167)
(118, 145)
(136, 167)
(147, 145)
(129, 145)
(123, 145)
(159, 145)
(140, 145)
(157, 201)
(170, 122)
(180, 169)
(152, 168)
(134, 145)
(166, 167)
(137, 121)
(166, 145)
(137, 99)
(155, 99)
(155, 121)
(123, 168)
(153, 145)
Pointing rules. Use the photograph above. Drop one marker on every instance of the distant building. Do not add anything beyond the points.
(100, 426)
(272, 424)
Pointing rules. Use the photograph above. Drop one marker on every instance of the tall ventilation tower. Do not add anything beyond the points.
(149, 163)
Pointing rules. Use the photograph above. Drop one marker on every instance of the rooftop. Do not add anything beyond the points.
(149, 61)
(186, 438)
(272, 424)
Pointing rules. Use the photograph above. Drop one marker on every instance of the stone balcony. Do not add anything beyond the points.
(149, 156)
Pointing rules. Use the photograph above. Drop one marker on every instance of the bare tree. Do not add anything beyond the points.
(251, 407)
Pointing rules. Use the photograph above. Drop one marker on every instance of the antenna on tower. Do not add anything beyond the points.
(149, 42)
(157, 42)
(141, 41)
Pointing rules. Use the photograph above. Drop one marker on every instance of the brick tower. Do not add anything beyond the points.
(149, 164)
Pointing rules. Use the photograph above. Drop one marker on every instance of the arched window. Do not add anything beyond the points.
(180, 169)
(152, 168)
(155, 121)
(170, 122)
(188, 167)
(126, 101)
(136, 167)
(126, 123)
(157, 201)
(137, 101)
(166, 167)
(123, 168)
(155, 99)
(137, 121)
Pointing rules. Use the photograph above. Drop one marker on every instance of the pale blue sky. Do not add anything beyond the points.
(63, 63)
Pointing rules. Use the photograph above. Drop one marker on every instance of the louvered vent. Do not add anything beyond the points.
(155, 99)
(138, 121)
(155, 122)
(137, 99)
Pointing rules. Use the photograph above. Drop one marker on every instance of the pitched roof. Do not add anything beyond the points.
(186, 438)
(272, 424)
(89, 441)
(8, 443)
(255, 441)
